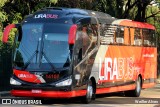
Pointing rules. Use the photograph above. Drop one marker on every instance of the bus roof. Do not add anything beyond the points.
(130, 23)
(76, 13)
(103, 18)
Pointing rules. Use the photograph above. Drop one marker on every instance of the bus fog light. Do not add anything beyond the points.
(14, 82)
(65, 82)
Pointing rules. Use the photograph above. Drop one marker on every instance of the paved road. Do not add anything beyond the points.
(149, 98)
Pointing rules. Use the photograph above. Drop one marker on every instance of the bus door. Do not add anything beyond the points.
(86, 45)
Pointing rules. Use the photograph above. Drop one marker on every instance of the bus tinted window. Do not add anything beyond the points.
(153, 38)
(89, 35)
(137, 37)
(120, 35)
(109, 33)
(149, 37)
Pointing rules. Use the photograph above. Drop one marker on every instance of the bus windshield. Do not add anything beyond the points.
(43, 46)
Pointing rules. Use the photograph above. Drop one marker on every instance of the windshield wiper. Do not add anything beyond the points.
(37, 49)
(35, 53)
(48, 60)
(42, 53)
(28, 62)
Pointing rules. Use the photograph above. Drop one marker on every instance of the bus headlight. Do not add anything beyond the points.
(14, 82)
(66, 82)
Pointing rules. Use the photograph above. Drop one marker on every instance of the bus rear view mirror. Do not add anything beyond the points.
(7, 31)
(72, 34)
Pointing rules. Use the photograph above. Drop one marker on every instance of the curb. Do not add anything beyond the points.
(4, 93)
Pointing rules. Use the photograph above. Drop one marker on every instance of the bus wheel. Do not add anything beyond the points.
(90, 93)
(138, 87)
(136, 92)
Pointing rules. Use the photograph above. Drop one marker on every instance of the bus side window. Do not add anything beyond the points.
(108, 34)
(152, 37)
(102, 29)
(137, 37)
(89, 38)
(93, 33)
(149, 37)
(85, 39)
(120, 36)
(16, 41)
(146, 37)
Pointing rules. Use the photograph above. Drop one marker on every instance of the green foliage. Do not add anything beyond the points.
(13, 11)
(2, 3)
(53, 1)
(153, 15)
(3, 16)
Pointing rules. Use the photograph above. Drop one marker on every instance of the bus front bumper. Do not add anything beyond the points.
(48, 94)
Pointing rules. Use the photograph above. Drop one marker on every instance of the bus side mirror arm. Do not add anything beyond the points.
(7, 31)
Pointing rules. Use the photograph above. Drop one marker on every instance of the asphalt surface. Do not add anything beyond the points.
(149, 98)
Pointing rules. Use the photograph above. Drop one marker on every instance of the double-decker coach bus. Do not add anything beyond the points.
(66, 52)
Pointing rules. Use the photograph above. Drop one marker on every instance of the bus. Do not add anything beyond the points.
(71, 52)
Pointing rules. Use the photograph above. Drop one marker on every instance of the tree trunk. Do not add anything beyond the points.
(119, 8)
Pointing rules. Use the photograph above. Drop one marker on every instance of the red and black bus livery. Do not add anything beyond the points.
(64, 52)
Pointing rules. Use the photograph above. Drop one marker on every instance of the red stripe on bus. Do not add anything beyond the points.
(26, 76)
(114, 89)
(148, 85)
(48, 94)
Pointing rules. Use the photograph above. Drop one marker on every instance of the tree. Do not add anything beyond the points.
(3, 15)
(13, 11)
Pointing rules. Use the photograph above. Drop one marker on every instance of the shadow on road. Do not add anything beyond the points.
(77, 100)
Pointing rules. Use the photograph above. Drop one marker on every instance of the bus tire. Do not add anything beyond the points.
(136, 92)
(90, 94)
